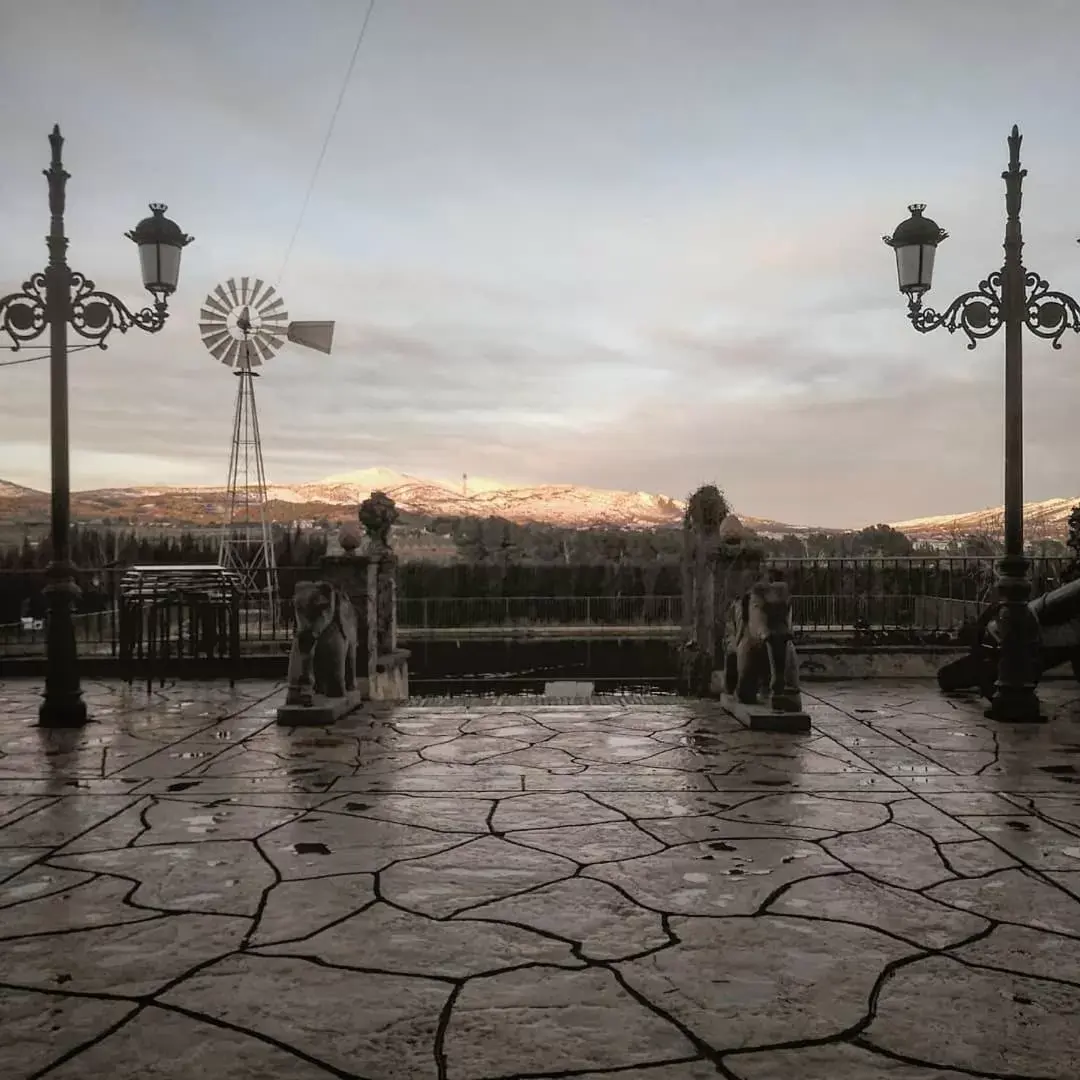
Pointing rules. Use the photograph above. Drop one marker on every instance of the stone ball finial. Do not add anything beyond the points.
(349, 538)
(736, 540)
(732, 530)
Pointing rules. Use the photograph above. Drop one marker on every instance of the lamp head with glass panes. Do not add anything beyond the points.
(914, 243)
(160, 242)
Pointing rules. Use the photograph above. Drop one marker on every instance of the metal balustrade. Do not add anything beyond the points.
(842, 595)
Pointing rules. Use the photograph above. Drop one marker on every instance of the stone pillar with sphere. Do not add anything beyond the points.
(377, 514)
(706, 509)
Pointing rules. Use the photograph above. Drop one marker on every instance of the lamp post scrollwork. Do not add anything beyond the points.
(1011, 298)
(54, 299)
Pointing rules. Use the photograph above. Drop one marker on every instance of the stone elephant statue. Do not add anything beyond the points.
(759, 650)
(324, 648)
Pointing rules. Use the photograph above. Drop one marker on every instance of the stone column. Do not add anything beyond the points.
(386, 603)
(390, 667)
(705, 510)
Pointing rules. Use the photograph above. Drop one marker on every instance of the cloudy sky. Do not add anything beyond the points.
(621, 243)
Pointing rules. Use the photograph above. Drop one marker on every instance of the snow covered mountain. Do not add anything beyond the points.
(16, 491)
(1042, 520)
(557, 504)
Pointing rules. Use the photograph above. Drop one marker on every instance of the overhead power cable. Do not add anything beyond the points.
(326, 140)
(40, 355)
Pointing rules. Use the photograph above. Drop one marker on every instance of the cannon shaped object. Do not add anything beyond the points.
(1058, 615)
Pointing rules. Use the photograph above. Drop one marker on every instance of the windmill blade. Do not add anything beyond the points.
(244, 290)
(212, 340)
(261, 349)
(216, 306)
(266, 300)
(224, 350)
(312, 335)
(231, 286)
(211, 318)
(254, 299)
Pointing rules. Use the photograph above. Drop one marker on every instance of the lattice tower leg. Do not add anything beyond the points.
(247, 543)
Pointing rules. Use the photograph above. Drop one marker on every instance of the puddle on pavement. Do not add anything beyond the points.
(311, 849)
(192, 754)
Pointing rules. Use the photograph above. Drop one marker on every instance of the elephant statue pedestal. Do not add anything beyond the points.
(322, 712)
(323, 684)
(761, 668)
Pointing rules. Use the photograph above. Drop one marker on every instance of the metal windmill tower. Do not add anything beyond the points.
(242, 325)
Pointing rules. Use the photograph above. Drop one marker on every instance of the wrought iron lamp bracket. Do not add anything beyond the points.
(23, 315)
(1047, 313)
(92, 313)
(95, 314)
(980, 314)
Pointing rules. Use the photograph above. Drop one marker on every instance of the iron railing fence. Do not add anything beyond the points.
(918, 594)
(479, 612)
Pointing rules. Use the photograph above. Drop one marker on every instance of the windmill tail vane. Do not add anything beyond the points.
(312, 335)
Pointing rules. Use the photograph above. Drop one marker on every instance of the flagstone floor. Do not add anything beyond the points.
(618, 891)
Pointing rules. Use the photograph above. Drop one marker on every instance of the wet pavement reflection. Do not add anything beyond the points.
(629, 887)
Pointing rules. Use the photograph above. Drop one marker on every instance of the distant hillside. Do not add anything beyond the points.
(1042, 520)
(17, 491)
(565, 505)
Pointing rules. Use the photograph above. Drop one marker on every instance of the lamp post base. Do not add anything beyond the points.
(63, 706)
(63, 711)
(1019, 665)
(1015, 705)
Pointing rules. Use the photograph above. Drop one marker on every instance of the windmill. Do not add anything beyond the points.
(242, 325)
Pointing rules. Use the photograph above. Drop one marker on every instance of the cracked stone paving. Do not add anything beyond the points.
(634, 889)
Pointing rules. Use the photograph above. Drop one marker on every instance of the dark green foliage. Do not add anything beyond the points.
(881, 540)
(102, 555)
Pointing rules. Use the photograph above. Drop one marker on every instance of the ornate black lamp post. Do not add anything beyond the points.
(55, 299)
(1012, 297)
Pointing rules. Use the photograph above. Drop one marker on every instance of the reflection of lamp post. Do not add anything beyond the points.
(1013, 298)
(53, 299)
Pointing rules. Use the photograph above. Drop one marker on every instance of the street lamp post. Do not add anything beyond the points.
(1012, 297)
(57, 298)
